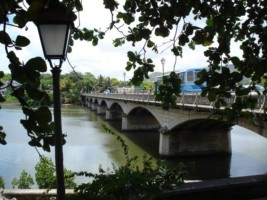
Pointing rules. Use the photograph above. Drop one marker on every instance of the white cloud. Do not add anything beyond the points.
(105, 59)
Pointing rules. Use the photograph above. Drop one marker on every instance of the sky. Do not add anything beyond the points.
(104, 59)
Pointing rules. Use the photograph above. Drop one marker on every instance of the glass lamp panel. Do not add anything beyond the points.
(53, 38)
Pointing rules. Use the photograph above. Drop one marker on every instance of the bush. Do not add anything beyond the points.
(129, 181)
(2, 183)
(45, 175)
(25, 181)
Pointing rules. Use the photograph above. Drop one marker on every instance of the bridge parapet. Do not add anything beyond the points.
(189, 100)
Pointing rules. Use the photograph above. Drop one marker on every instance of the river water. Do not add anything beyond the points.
(89, 146)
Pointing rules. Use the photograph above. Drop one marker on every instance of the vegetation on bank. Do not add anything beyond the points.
(73, 84)
(129, 180)
(178, 24)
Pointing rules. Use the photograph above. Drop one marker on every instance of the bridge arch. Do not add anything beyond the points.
(139, 118)
(114, 111)
(101, 107)
(102, 103)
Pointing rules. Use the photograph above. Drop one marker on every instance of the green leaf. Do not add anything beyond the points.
(2, 136)
(43, 115)
(13, 58)
(183, 39)
(150, 44)
(111, 4)
(131, 56)
(34, 93)
(37, 64)
(212, 96)
(237, 76)
(235, 61)
(162, 31)
(34, 10)
(2, 74)
(20, 18)
(88, 35)
(27, 111)
(22, 41)
(35, 143)
(4, 38)
(129, 66)
(177, 51)
(95, 41)
(199, 37)
(78, 5)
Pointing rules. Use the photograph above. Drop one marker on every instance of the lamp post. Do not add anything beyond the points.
(54, 26)
(163, 63)
(124, 74)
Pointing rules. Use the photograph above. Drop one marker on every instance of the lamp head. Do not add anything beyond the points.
(162, 61)
(54, 24)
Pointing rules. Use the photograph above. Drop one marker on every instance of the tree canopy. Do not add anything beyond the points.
(213, 24)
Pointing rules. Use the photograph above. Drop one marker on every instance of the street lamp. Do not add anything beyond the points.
(163, 63)
(54, 26)
(124, 74)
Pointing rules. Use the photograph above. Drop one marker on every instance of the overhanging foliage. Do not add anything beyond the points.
(214, 25)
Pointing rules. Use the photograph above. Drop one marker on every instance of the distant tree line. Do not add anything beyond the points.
(74, 83)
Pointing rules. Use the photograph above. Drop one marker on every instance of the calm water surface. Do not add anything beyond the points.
(88, 146)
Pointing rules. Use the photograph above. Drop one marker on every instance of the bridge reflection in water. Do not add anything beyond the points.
(189, 129)
(206, 167)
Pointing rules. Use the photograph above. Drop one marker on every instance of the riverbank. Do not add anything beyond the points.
(10, 104)
(248, 187)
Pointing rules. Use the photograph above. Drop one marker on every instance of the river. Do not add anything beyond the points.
(88, 146)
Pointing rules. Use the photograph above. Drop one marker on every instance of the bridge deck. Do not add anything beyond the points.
(185, 100)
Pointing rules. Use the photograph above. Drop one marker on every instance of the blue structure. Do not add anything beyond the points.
(188, 78)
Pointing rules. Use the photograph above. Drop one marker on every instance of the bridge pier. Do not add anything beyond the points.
(131, 123)
(195, 142)
(101, 110)
(94, 106)
(112, 115)
(89, 104)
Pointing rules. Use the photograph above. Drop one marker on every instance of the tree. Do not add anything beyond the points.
(212, 24)
(2, 183)
(148, 86)
(88, 82)
(25, 181)
(45, 175)
(46, 81)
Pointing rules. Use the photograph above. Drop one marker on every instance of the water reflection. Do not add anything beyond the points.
(206, 167)
(88, 146)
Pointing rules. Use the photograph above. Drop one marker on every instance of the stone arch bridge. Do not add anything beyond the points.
(191, 128)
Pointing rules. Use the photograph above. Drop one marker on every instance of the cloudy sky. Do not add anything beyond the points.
(103, 59)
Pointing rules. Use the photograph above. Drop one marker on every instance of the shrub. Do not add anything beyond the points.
(2, 183)
(45, 175)
(25, 181)
(129, 181)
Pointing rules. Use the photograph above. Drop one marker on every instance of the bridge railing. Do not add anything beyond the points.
(189, 100)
